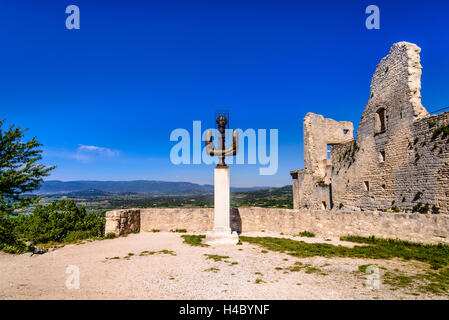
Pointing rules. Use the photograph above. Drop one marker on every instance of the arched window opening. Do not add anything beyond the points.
(380, 120)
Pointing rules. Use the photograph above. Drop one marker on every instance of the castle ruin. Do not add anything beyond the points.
(399, 160)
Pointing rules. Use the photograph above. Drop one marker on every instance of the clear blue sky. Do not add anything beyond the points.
(136, 70)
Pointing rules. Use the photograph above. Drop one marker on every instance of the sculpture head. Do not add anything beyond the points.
(221, 122)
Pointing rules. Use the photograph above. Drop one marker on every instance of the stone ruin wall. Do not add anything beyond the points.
(414, 163)
(405, 226)
(393, 160)
(319, 133)
(122, 221)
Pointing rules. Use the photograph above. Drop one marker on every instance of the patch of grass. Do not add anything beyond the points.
(258, 273)
(307, 268)
(437, 256)
(264, 251)
(146, 253)
(307, 234)
(321, 183)
(155, 230)
(421, 208)
(278, 268)
(212, 269)
(395, 209)
(194, 240)
(150, 253)
(442, 129)
(109, 235)
(428, 282)
(259, 281)
(363, 267)
(170, 252)
(312, 270)
(417, 196)
(397, 280)
(216, 257)
(179, 230)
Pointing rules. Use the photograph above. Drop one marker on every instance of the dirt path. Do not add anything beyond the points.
(184, 276)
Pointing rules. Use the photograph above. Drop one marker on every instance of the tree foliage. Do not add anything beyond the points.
(20, 171)
(61, 221)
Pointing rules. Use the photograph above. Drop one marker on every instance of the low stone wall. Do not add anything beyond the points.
(426, 228)
(122, 221)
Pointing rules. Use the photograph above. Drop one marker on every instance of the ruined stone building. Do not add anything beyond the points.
(399, 160)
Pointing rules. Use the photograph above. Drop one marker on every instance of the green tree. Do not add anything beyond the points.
(61, 221)
(20, 171)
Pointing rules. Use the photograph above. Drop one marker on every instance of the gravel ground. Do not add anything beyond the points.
(183, 276)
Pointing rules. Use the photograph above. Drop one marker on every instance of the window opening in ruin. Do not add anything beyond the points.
(366, 185)
(324, 205)
(329, 148)
(383, 186)
(345, 131)
(380, 120)
(382, 156)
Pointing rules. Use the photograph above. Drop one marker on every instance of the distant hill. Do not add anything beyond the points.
(270, 198)
(137, 186)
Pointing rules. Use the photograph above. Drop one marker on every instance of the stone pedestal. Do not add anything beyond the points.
(221, 233)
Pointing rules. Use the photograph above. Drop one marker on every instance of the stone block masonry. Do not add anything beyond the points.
(123, 221)
(426, 228)
(398, 162)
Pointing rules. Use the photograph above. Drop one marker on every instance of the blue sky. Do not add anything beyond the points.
(104, 99)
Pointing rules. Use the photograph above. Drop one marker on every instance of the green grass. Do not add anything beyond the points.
(179, 230)
(194, 240)
(437, 256)
(434, 280)
(307, 234)
(214, 270)
(363, 267)
(428, 282)
(307, 268)
(216, 257)
(146, 253)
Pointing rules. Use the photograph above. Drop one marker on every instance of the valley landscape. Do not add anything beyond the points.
(101, 196)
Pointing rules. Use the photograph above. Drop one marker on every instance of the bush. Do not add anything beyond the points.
(307, 234)
(60, 222)
(9, 241)
(110, 235)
